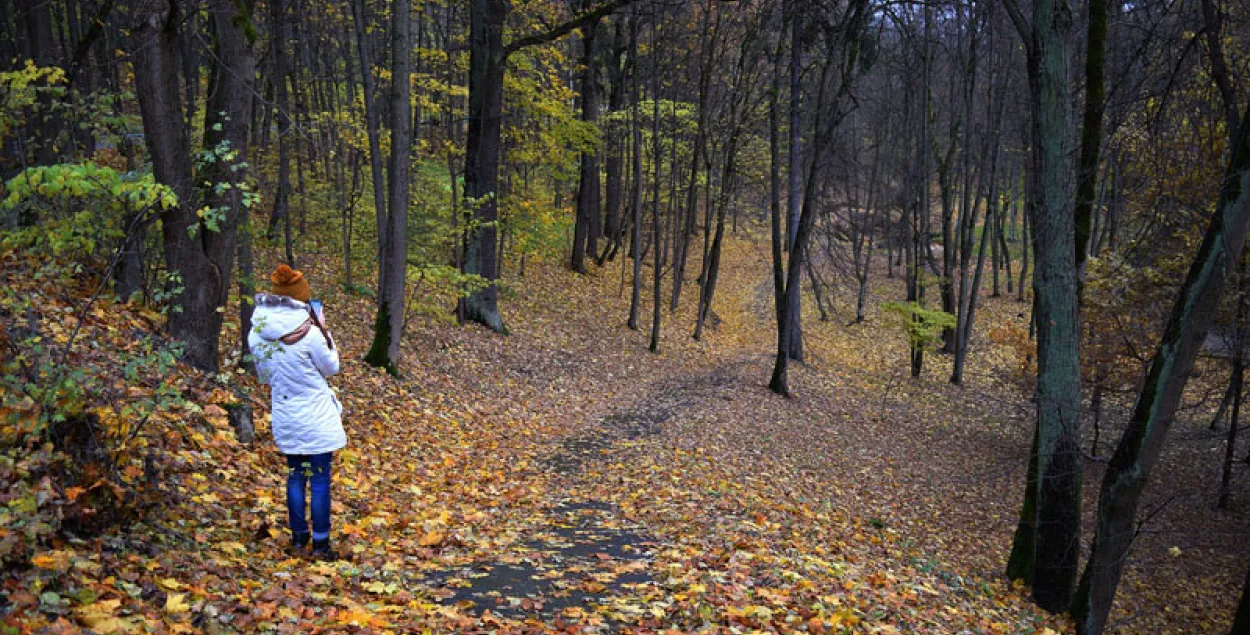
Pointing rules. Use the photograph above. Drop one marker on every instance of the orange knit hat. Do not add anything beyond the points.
(290, 282)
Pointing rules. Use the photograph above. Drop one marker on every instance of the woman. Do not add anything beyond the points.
(295, 354)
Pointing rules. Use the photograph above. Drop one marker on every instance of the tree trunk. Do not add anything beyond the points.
(45, 127)
(778, 383)
(197, 323)
(1026, 247)
(1021, 562)
(1058, 397)
(657, 238)
(968, 299)
(612, 163)
(635, 204)
(794, 339)
(1239, 372)
(825, 120)
(1142, 442)
(247, 288)
(282, 189)
(481, 173)
(1003, 248)
(388, 327)
(707, 46)
(1224, 403)
(371, 126)
(946, 287)
(1091, 134)
(970, 304)
(1241, 620)
(226, 124)
(584, 238)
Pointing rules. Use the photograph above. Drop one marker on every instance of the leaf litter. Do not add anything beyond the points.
(565, 480)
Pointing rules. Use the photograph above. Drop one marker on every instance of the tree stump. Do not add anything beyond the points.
(240, 414)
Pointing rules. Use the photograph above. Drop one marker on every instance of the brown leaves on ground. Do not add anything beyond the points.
(851, 509)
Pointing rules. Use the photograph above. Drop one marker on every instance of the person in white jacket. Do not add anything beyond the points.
(294, 354)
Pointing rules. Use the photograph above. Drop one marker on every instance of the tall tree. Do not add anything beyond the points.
(198, 253)
(657, 164)
(488, 58)
(1091, 132)
(794, 316)
(388, 326)
(615, 146)
(226, 127)
(41, 48)
(584, 238)
(635, 204)
(278, 42)
(359, 19)
(839, 64)
(1056, 524)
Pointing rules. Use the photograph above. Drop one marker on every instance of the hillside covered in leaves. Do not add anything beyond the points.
(559, 479)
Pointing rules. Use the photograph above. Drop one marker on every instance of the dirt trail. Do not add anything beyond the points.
(590, 553)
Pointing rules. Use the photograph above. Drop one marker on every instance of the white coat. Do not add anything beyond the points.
(306, 415)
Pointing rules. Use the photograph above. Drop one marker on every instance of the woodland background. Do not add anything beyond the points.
(991, 251)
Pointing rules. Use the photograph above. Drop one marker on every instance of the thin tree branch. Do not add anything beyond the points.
(563, 29)
(93, 34)
(1022, 25)
(1219, 68)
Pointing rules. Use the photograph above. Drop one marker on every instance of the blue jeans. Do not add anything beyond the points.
(304, 470)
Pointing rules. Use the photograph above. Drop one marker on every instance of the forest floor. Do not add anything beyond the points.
(565, 479)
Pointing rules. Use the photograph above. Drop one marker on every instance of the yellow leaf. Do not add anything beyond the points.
(176, 603)
(432, 539)
(99, 618)
(44, 561)
(357, 617)
(171, 584)
(52, 560)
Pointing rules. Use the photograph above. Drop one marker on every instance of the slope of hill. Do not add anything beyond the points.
(560, 479)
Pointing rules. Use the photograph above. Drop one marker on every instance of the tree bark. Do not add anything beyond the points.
(612, 163)
(481, 172)
(45, 126)
(1239, 373)
(584, 238)
(1058, 396)
(1241, 620)
(189, 250)
(1091, 134)
(778, 385)
(388, 326)
(371, 127)
(827, 114)
(226, 128)
(487, 62)
(635, 204)
(794, 316)
(657, 159)
(281, 212)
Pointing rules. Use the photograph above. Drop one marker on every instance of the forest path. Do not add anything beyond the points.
(595, 556)
(590, 555)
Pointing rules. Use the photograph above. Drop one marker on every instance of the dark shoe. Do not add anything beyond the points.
(299, 542)
(322, 550)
